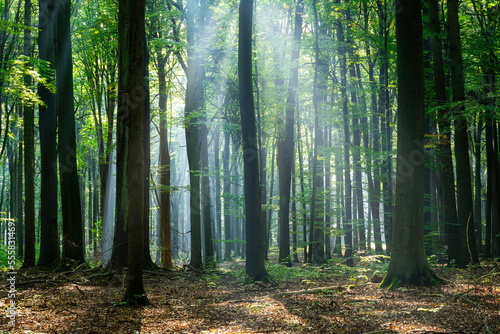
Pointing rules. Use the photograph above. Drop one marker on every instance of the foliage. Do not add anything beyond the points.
(14, 76)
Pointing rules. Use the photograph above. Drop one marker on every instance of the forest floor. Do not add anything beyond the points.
(330, 298)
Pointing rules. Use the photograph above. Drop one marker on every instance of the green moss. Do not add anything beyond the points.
(390, 281)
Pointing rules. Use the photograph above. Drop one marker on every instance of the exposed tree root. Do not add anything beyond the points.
(426, 278)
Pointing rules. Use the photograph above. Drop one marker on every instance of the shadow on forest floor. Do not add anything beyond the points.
(331, 298)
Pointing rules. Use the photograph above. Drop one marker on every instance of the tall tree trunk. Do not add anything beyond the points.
(328, 191)
(478, 186)
(347, 226)
(133, 13)
(286, 144)
(302, 192)
(73, 235)
(464, 186)
(29, 157)
(444, 148)
(317, 225)
(120, 240)
(218, 204)
(205, 197)
(385, 129)
(49, 239)
(255, 268)
(227, 191)
(166, 244)
(408, 260)
(148, 261)
(194, 102)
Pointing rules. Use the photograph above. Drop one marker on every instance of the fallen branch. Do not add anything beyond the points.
(306, 291)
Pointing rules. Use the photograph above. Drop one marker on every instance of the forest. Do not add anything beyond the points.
(249, 166)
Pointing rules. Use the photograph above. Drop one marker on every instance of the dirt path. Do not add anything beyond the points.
(217, 302)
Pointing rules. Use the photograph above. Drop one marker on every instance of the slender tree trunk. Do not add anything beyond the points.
(73, 235)
(133, 12)
(148, 262)
(29, 157)
(444, 149)
(347, 226)
(317, 225)
(166, 244)
(194, 102)
(478, 186)
(218, 206)
(286, 144)
(120, 240)
(255, 267)
(302, 192)
(49, 239)
(205, 198)
(464, 186)
(227, 192)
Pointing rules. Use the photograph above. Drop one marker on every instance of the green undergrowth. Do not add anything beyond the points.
(330, 271)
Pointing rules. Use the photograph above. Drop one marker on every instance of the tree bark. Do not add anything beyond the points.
(73, 235)
(286, 143)
(255, 268)
(29, 157)
(49, 239)
(464, 186)
(408, 260)
(135, 293)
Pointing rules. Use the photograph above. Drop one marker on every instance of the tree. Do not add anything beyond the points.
(73, 246)
(255, 268)
(49, 239)
(286, 143)
(132, 13)
(29, 157)
(444, 148)
(408, 259)
(164, 158)
(464, 186)
(194, 104)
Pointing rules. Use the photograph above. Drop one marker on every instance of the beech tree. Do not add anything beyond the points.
(255, 269)
(408, 260)
(132, 14)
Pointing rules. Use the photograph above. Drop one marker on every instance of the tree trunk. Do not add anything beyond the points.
(408, 260)
(317, 250)
(49, 239)
(166, 244)
(194, 102)
(148, 262)
(347, 226)
(205, 197)
(73, 236)
(286, 144)
(218, 204)
(133, 13)
(255, 268)
(447, 194)
(29, 157)
(464, 186)
(227, 191)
